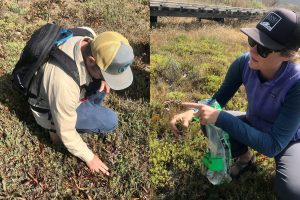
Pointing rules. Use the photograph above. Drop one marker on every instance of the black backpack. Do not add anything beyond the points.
(43, 45)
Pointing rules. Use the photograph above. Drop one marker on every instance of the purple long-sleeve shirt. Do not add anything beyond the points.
(273, 108)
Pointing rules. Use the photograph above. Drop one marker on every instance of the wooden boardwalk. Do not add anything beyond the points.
(201, 11)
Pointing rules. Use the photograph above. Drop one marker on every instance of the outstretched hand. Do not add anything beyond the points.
(96, 165)
(207, 114)
(184, 117)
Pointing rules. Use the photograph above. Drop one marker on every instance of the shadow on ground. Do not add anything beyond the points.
(140, 88)
(17, 105)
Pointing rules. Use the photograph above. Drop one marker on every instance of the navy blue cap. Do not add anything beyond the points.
(276, 30)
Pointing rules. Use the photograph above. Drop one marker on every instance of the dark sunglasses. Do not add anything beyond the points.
(261, 50)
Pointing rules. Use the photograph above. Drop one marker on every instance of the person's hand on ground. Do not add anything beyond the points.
(104, 87)
(96, 165)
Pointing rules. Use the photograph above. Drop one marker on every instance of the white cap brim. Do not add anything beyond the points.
(118, 81)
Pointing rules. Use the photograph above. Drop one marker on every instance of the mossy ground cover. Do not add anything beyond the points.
(30, 166)
(189, 62)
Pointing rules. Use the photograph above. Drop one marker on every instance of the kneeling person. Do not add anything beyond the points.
(107, 57)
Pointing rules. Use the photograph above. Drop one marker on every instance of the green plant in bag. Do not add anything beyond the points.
(217, 159)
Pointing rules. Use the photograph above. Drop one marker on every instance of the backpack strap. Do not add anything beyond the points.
(67, 64)
(81, 32)
(65, 32)
(38, 109)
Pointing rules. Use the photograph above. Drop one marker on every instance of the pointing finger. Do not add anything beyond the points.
(191, 105)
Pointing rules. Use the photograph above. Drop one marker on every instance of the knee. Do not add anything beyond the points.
(111, 121)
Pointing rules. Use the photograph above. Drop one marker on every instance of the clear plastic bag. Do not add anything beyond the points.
(217, 159)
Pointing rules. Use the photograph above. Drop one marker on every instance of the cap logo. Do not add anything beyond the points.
(123, 68)
(270, 21)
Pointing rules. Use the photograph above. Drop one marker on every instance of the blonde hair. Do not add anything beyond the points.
(294, 55)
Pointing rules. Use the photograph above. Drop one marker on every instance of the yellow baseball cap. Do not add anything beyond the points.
(114, 55)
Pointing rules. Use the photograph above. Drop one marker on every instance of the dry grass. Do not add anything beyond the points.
(159, 36)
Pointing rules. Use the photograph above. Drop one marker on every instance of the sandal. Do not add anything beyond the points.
(242, 167)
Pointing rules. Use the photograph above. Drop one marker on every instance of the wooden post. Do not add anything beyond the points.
(153, 21)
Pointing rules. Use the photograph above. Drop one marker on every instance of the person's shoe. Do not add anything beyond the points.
(55, 139)
(239, 167)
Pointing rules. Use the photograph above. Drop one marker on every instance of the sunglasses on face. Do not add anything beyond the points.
(261, 50)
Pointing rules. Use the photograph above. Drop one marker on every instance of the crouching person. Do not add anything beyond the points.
(62, 105)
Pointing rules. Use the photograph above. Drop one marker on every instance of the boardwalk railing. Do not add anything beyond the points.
(201, 11)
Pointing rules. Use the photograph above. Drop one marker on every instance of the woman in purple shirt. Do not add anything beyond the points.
(271, 124)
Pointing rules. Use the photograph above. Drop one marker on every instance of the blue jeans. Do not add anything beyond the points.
(92, 117)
